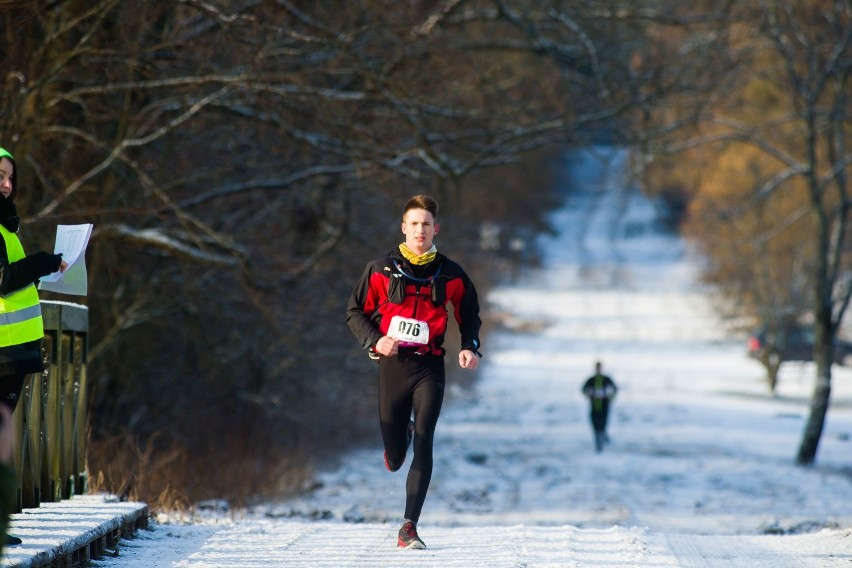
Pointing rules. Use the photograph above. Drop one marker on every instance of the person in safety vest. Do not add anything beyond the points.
(398, 313)
(21, 326)
(600, 390)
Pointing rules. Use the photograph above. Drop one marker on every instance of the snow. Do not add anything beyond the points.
(62, 532)
(700, 471)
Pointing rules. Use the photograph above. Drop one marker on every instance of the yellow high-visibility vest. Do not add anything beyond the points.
(20, 311)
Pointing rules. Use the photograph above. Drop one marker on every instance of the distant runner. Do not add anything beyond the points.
(600, 390)
(398, 313)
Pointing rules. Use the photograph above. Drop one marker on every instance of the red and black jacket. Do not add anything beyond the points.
(393, 286)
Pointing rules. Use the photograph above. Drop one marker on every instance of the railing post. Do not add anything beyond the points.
(51, 417)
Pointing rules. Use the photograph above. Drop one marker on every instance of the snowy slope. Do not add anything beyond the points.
(700, 471)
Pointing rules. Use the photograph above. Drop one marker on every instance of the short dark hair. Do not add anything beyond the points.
(422, 202)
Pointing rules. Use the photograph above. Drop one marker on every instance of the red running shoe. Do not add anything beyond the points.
(408, 538)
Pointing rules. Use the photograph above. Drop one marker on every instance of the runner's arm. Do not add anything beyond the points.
(462, 294)
(361, 308)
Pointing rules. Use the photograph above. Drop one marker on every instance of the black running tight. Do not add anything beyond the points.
(411, 382)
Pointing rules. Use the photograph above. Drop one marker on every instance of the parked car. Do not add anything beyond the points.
(799, 346)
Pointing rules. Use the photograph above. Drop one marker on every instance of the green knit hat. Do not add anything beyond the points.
(4, 153)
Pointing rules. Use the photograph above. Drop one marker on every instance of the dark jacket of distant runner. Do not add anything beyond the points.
(600, 390)
(391, 286)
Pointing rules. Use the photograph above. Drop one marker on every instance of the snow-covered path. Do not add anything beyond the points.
(324, 544)
(699, 473)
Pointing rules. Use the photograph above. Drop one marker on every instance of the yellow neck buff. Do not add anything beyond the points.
(416, 259)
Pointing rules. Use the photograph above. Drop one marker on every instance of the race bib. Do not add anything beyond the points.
(408, 331)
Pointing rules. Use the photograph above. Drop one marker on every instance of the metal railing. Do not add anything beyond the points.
(51, 417)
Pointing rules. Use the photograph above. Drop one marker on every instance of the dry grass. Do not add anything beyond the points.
(173, 478)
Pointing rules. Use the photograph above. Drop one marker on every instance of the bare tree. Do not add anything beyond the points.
(802, 52)
(235, 156)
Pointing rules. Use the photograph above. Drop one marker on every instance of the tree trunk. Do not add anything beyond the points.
(816, 421)
(824, 332)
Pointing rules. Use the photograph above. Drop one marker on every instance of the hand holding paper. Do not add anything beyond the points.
(71, 241)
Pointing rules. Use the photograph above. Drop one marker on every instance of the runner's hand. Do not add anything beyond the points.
(387, 346)
(468, 359)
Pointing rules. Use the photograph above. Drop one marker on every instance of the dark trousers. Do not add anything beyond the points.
(10, 390)
(407, 383)
(599, 418)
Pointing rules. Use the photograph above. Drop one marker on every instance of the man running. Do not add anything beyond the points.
(398, 313)
(600, 390)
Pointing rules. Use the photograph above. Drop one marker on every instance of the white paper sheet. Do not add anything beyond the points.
(71, 241)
